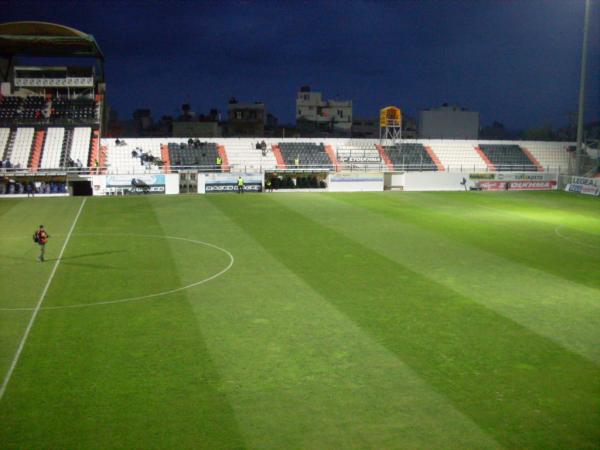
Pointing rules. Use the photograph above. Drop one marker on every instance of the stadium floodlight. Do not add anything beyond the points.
(586, 25)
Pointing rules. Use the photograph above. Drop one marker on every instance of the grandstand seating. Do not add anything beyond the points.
(410, 157)
(457, 155)
(21, 148)
(80, 146)
(9, 108)
(35, 107)
(550, 155)
(353, 154)
(243, 155)
(53, 148)
(120, 159)
(507, 157)
(199, 154)
(308, 153)
(74, 109)
(32, 107)
(360, 155)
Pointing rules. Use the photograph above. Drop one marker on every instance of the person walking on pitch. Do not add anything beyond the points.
(41, 238)
(240, 185)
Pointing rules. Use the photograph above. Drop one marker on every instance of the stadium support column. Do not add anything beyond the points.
(586, 25)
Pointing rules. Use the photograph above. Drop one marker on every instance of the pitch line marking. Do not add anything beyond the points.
(575, 241)
(38, 306)
(142, 297)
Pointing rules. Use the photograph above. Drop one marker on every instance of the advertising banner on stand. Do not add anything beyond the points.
(514, 181)
(355, 182)
(228, 182)
(531, 185)
(137, 184)
(582, 185)
(491, 185)
(358, 159)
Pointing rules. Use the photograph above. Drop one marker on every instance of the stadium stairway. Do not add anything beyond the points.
(103, 157)
(486, 160)
(434, 158)
(164, 155)
(384, 156)
(225, 160)
(36, 153)
(95, 150)
(278, 156)
(331, 153)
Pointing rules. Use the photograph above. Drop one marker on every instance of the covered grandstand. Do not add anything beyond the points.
(50, 115)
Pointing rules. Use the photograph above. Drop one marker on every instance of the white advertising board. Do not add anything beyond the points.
(356, 182)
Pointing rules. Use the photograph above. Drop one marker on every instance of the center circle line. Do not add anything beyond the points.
(570, 239)
(142, 297)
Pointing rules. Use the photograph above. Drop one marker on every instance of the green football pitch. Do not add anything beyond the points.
(292, 321)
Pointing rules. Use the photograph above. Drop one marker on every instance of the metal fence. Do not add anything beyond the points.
(258, 168)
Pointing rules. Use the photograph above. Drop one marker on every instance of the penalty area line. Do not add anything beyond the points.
(15, 360)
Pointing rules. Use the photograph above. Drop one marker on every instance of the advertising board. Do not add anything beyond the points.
(355, 181)
(137, 184)
(359, 159)
(227, 182)
(586, 189)
(531, 185)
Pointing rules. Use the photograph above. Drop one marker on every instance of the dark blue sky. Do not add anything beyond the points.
(514, 61)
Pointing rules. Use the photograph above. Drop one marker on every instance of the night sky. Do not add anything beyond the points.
(517, 62)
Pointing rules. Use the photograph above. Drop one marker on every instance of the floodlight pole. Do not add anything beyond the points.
(579, 150)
